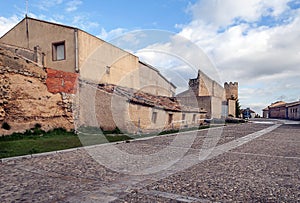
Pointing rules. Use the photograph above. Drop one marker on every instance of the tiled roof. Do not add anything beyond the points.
(277, 104)
(146, 99)
(293, 104)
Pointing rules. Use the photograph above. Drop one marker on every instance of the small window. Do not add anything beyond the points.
(107, 69)
(170, 119)
(194, 118)
(183, 118)
(154, 117)
(58, 51)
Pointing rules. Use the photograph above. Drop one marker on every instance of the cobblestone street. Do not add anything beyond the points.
(252, 162)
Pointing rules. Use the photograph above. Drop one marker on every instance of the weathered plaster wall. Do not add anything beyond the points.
(112, 65)
(38, 31)
(152, 82)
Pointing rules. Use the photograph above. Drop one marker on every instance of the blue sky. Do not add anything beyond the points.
(253, 42)
(92, 16)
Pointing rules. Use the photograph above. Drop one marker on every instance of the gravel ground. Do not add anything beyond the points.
(266, 169)
(51, 178)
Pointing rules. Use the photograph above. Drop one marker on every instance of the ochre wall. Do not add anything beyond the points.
(109, 64)
(44, 34)
(232, 107)
(231, 90)
(150, 81)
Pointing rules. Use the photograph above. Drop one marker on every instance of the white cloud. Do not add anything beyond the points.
(110, 35)
(224, 12)
(250, 50)
(7, 23)
(83, 22)
(73, 5)
(46, 4)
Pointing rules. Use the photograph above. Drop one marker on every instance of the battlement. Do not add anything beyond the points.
(231, 84)
(231, 90)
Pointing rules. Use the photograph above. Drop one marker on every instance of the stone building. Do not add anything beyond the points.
(134, 111)
(70, 49)
(84, 81)
(293, 110)
(266, 112)
(205, 93)
(276, 110)
(283, 110)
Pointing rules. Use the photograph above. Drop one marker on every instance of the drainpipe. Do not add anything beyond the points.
(27, 30)
(76, 50)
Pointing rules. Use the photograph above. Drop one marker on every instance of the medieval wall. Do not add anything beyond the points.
(205, 86)
(232, 107)
(231, 90)
(25, 99)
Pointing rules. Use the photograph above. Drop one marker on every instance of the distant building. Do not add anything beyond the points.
(248, 113)
(283, 110)
(293, 110)
(205, 93)
(266, 112)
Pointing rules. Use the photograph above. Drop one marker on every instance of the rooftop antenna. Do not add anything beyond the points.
(26, 8)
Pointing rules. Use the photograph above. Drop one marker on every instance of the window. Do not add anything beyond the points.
(107, 69)
(183, 118)
(170, 119)
(194, 118)
(58, 51)
(154, 117)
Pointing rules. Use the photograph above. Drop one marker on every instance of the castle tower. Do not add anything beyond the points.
(231, 90)
(202, 85)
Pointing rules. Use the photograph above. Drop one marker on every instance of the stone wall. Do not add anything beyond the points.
(231, 90)
(278, 112)
(36, 56)
(25, 99)
(232, 107)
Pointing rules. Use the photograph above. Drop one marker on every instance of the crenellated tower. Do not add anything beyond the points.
(231, 90)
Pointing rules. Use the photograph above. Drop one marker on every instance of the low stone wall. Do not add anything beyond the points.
(35, 55)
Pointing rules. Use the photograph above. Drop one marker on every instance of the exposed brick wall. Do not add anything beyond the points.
(60, 81)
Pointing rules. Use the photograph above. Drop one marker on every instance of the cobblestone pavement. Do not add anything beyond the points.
(253, 162)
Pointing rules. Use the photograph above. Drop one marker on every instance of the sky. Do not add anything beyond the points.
(253, 42)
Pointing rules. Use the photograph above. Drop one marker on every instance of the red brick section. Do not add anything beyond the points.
(60, 81)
